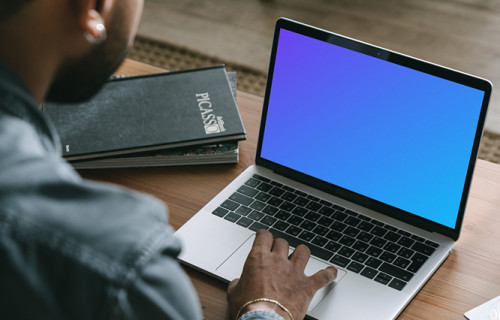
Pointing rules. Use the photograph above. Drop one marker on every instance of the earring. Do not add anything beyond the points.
(100, 38)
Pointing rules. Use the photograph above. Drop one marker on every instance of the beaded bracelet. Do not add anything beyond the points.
(264, 300)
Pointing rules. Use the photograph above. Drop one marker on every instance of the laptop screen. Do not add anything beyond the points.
(376, 128)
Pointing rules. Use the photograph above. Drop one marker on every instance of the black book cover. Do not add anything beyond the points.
(142, 113)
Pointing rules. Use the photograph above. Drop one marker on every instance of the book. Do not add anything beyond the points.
(201, 155)
(153, 112)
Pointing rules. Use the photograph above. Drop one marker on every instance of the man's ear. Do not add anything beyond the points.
(91, 15)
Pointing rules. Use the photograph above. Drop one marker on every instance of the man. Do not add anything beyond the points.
(75, 249)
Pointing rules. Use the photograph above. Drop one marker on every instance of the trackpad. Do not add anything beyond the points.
(233, 266)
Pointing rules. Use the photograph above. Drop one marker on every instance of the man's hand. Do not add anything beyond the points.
(270, 273)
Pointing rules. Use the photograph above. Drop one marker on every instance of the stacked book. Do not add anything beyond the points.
(174, 118)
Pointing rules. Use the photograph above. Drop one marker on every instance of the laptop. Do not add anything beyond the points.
(366, 156)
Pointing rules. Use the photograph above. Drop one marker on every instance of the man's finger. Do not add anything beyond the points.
(263, 240)
(300, 256)
(280, 246)
(323, 277)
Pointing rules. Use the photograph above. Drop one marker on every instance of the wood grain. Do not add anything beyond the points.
(466, 279)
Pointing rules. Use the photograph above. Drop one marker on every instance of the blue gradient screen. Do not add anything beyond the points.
(385, 131)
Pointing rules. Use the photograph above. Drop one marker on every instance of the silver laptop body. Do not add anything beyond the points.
(366, 156)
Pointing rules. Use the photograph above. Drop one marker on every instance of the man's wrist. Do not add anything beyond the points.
(265, 306)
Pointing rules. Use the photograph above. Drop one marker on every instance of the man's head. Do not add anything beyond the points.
(71, 31)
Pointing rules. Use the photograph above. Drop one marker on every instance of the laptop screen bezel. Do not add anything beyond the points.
(397, 58)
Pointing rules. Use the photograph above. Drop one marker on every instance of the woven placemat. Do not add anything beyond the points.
(172, 57)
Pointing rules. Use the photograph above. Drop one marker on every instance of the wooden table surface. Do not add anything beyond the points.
(469, 277)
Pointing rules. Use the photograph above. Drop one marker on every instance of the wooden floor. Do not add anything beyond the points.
(461, 34)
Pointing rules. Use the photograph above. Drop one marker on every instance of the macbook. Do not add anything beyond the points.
(364, 155)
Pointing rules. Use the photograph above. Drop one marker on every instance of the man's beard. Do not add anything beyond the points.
(80, 79)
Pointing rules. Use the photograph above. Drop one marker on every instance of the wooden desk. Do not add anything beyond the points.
(469, 277)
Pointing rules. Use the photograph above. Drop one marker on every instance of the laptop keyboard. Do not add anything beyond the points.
(350, 240)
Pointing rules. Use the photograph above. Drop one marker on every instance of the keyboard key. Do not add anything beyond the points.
(401, 262)
(346, 252)
(293, 230)
(396, 272)
(320, 230)
(404, 233)
(257, 205)
(319, 241)
(383, 278)
(324, 221)
(364, 236)
(244, 221)
(308, 225)
(294, 242)
(261, 178)
(338, 226)
(313, 198)
(391, 228)
(378, 223)
(352, 213)
(295, 220)
(252, 182)
(313, 206)
(241, 198)
(231, 216)
(283, 215)
(378, 231)
(243, 210)
(373, 262)
(246, 190)
(333, 246)
(355, 267)
(378, 242)
(419, 239)
(406, 242)
(334, 235)
(306, 236)
(374, 251)
(280, 225)
(274, 201)
(387, 257)
(392, 247)
(359, 257)
(326, 211)
(431, 243)
(230, 205)
(257, 226)
(287, 206)
(365, 226)
(276, 191)
(255, 215)
(268, 220)
(347, 241)
(392, 236)
(276, 184)
(339, 216)
(420, 258)
(264, 187)
(414, 266)
(288, 196)
(397, 284)
(300, 211)
(352, 221)
(220, 212)
(360, 246)
(262, 196)
(270, 210)
(340, 261)
(351, 231)
(406, 253)
(339, 208)
(313, 216)
(325, 203)
(369, 272)
(301, 201)
(422, 248)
